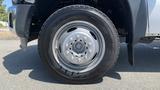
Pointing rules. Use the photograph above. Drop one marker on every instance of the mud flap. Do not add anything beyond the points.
(130, 49)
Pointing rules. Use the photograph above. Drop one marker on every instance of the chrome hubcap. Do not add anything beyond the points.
(78, 46)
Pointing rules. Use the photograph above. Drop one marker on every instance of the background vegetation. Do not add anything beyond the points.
(3, 12)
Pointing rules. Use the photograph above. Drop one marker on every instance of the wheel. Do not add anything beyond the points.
(79, 43)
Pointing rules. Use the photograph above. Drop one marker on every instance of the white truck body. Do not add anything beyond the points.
(154, 18)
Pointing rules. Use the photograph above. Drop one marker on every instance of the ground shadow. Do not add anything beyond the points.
(147, 60)
(29, 59)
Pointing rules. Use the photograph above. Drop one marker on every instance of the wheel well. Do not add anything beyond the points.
(117, 10)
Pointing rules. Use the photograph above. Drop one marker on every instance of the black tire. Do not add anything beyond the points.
(89, 14)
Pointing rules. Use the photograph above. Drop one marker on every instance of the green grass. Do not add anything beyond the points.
(1, 26)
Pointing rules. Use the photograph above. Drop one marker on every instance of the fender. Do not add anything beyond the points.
(139, 15)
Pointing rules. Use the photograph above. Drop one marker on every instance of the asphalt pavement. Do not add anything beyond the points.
(24, 70)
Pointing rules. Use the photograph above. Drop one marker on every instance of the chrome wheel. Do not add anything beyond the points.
(78, 46)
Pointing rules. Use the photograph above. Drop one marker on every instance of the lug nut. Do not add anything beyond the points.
(90, 43)
(71, 38)
(66, 45)
(72, 57)
(85, 37)
(78, 36)
(90, 50)
(67, 52)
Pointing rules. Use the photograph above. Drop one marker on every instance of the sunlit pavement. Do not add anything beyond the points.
(24, 70)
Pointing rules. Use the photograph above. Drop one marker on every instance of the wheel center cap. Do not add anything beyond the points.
(78, 47)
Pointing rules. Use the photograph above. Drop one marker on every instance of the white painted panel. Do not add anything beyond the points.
(154, 16)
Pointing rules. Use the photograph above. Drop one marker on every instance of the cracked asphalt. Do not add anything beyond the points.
(24, 70)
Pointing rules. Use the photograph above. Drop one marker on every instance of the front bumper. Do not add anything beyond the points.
(19, 18)
(12, 18)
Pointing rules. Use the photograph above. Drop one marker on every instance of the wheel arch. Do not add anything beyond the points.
(129, 17)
